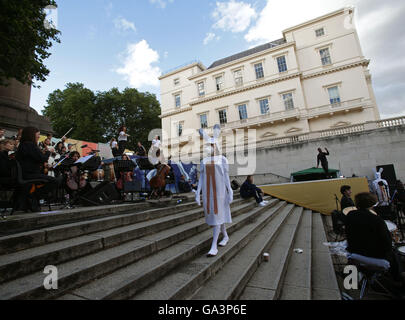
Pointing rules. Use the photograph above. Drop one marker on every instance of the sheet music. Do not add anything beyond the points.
(59, 163)
(84, 159)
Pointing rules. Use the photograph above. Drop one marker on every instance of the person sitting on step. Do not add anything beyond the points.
(249, 190)
(368, 235)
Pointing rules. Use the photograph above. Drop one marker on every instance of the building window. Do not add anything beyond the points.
(203, 121)
(222, 116)
(180, 128)
(288, 101)
(259, 70)
(238, 77)
(176, 81)
(177, 100)
(334, 96)
(282, 64)
(320, 32)
(242, 112)
(201, 89)
(325, 56)
(219, 82)
(264, 106)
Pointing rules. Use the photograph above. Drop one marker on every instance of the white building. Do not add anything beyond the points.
(312, 79)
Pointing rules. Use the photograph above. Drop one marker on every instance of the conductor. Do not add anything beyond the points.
(323, 160)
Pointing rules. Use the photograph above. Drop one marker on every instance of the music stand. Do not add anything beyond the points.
(397, 213)
(144, 164)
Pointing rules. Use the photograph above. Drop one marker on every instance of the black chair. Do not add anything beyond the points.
(372, 272)
(22, 191)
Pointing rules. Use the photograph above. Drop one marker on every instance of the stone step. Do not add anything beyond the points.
(230, 281)
(127, 281)
(266, 282)
(91, 266)
(32, 221)
(30, 239)
(24, 262)
(297, 280)
(183, 281)
(324, 282)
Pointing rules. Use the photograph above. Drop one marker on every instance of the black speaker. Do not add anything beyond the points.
(388, 174)
(133, 186)
(103, 194)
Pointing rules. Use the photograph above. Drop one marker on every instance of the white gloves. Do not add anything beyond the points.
(230, 196)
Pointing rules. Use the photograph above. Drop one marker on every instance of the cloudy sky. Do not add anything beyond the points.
(126, 43)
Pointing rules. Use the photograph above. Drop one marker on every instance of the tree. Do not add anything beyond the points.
(24, 40)
(97, 117)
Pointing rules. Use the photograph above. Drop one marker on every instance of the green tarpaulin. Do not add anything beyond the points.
(313, 171)
(313, 174)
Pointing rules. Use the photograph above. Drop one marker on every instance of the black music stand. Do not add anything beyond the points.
(127, 186)
(144, 164)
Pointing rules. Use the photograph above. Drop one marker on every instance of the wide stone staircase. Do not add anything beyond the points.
(152, 252)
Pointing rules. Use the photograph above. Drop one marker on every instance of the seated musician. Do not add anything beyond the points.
(6, 145)
(122, 175)
(140, 150)
(73, 156)
(184, 186)
(368, 235)
(345, 202)
(31, 158)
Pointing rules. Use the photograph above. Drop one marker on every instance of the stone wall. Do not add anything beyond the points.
(352, 153)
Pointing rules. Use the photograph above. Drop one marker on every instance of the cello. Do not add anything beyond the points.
(158, 182)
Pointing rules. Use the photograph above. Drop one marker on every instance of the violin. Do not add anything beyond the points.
(74, 182)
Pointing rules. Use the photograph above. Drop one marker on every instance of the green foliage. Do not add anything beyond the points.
(97, 116)
(24, 40)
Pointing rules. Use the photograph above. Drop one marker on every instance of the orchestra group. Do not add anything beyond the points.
(62, 172)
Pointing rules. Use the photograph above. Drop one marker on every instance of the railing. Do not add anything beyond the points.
(391, 122)
(336, 107)
(262, 119)
(386, 123)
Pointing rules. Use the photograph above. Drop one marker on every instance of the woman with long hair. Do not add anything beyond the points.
(122, 139)
(31, 159)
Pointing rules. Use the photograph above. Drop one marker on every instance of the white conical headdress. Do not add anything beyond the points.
(214, 139)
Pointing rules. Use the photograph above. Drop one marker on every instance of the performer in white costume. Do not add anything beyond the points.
(381, 189)
(216, 189)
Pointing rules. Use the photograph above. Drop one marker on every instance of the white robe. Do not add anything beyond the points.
(223, 191)
(383, 193)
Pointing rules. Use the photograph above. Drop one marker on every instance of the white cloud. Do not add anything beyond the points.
(209, 37)
(233, 16)
(124, 25)
(161, 3)
(138, 66)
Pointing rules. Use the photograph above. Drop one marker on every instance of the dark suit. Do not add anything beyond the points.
(249, 190)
